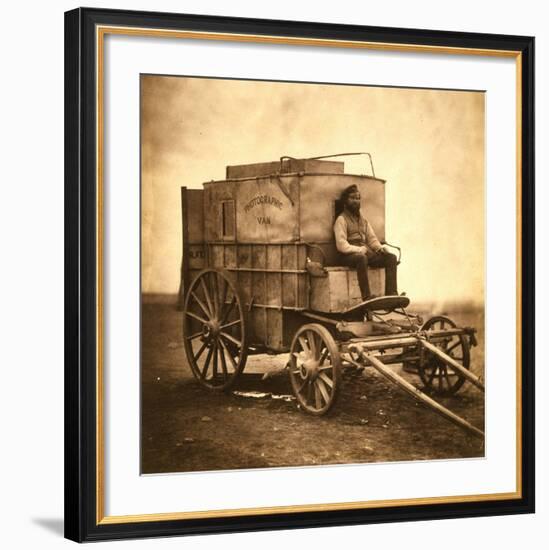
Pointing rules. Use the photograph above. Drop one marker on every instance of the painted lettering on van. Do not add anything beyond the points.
(263, 199)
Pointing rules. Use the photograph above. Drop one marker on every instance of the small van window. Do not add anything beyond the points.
(227, 214)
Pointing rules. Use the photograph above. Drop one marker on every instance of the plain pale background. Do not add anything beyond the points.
(434, 193)
(31, 225)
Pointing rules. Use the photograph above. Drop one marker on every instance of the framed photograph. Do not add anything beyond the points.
(299, 274)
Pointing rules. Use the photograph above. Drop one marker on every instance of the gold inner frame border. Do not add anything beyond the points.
(101, 32)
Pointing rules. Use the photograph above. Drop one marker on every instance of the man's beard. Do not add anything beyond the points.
(354, 209)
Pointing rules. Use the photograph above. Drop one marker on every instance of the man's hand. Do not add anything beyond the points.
(364, 250)
(385, 249)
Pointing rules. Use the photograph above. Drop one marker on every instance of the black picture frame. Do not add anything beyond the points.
(81, 252)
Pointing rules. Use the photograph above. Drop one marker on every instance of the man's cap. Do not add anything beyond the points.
(348, 191)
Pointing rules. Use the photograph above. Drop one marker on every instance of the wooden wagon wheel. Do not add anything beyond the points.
(214, 330)
(315, 368)
(437, 377)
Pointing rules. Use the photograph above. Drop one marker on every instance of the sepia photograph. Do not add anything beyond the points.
(312, 274)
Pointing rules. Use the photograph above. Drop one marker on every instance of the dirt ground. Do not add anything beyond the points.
(188, 428)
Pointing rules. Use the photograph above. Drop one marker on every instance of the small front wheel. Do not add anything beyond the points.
(437, 377)
(315, 369)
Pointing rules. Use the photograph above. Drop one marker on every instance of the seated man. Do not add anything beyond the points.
(359, 247)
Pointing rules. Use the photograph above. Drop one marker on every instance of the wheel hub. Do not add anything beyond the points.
(211, 329)
(309, 369)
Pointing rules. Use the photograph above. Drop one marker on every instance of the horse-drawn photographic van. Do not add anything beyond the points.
(260, 274)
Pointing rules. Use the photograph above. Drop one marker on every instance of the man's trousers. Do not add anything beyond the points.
(373, 259)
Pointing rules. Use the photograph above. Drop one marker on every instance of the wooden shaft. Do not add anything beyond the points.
(453, 364)
(395, 341)
(378, 340)
(380, 343)
(418, 394)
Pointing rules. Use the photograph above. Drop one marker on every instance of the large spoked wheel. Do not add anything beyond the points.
(214, 330)
(315, 368)
(437, 377)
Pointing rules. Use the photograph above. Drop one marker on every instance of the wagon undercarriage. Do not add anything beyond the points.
(440, 356)
(438, 351)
